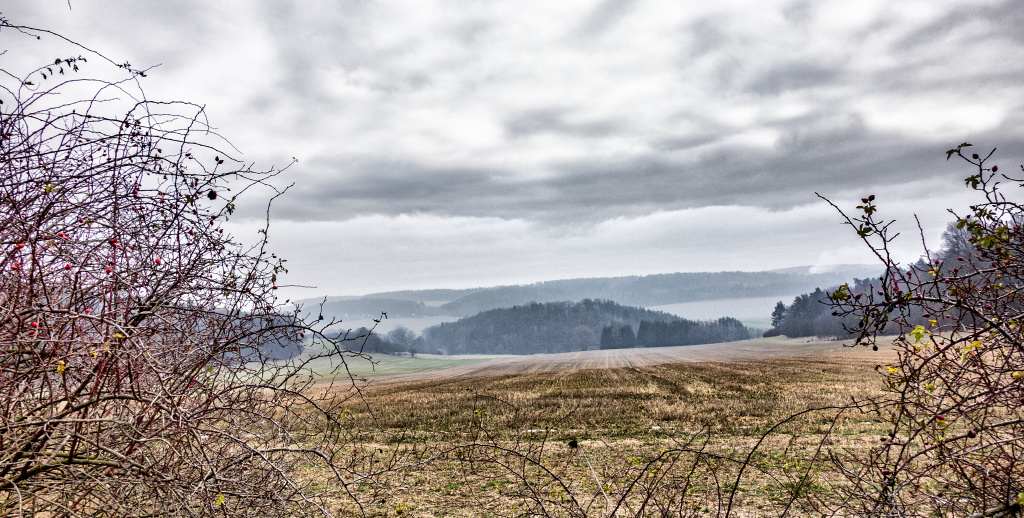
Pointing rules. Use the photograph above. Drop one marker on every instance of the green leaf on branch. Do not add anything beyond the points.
(918, 333)
(956, 150)
(842, 294)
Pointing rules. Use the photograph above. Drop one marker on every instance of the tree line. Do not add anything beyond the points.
(677, 332)
(811, 314)
(555, 327)
(552, 327)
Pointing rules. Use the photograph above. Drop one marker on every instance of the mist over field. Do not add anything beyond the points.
(579, 314)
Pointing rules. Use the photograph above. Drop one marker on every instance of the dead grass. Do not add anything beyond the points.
(494, 443)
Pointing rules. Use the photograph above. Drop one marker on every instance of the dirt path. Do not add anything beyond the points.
(764, 348)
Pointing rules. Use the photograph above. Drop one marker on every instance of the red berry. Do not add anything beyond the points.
(995, 168)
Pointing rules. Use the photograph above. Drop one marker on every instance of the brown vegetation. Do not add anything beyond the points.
(658, 440)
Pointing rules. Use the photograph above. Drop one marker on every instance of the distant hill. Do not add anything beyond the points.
(646, 290)
(565, 326)
(373, 306)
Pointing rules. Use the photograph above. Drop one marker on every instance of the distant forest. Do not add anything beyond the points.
(566, 326)
(676, 332)
(811, 315)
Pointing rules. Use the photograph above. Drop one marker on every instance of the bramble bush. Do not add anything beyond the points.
(955, 393)
(147, 366)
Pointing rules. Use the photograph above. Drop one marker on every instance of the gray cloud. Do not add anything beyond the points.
(555, 121)
(605, 15)
(548, 113)
(793, 76)
(842, 163)
(705, 37)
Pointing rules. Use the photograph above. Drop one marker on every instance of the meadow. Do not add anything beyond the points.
(654, 439)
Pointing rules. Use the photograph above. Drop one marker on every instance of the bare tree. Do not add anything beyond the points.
(956, 242)
(403, 337)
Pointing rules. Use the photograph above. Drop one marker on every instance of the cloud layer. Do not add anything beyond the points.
(565, 119)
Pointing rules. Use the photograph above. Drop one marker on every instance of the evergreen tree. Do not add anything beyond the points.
(626, 338)
(779, 314)
(608, 337)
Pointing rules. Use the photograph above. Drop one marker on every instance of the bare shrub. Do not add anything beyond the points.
(955, 393)
(146, 365)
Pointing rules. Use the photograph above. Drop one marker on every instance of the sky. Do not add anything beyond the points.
(478, 143)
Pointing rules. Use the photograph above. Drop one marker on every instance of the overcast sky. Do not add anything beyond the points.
(469, 143)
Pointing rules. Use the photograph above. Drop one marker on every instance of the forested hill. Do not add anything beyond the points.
(647, 290)
(565, 326)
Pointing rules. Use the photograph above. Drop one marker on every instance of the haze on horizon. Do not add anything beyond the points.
(476, 144)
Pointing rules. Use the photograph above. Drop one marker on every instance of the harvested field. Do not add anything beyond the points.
(434, 366)
(666, 427)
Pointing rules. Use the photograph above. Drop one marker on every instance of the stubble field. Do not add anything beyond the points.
(648, 439)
